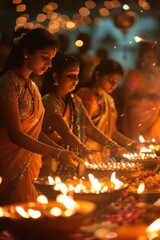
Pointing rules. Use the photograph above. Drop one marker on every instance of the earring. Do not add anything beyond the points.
(55, 83)
(25, 58)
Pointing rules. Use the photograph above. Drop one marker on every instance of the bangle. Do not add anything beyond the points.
(111, 144)
(59, 153)
(80, 148)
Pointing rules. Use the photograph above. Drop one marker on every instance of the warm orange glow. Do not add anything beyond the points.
(103, 12)
(70, 24)
(90, 4)
(141, 188)
(21, 8)
(16, 1)
(84, 11)
(42, 199)
(155, 226)
(79, 43)
(41, 17)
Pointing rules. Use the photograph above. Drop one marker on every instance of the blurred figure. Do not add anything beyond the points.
(64, 42)
(101, 53)
(142, 95)
(86, 60)
(100, 105)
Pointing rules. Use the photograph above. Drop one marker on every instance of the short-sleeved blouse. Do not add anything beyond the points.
(13, 88)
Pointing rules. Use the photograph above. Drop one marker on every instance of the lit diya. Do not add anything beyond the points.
(145, 156)
(146, 194)
(131, 232)
(37, 220)
(122, 169)
(90, 189)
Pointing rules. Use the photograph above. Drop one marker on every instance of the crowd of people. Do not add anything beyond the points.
(55, 128)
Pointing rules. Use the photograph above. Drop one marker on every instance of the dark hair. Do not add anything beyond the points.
(36, 39)
(59, 63)
(105, 67)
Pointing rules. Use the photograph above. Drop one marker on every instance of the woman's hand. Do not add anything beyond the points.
(92, 156)
(118, 151)
(69, 159)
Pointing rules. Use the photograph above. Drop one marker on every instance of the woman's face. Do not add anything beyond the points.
(149, 59)
(109, 82)
(68, 79)
(39, 61)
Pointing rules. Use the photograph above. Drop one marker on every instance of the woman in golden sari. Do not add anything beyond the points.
(142, 96)
(21, 114)
(66, 121)
(99, 103)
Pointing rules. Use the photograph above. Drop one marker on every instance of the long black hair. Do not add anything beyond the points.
(36, 39)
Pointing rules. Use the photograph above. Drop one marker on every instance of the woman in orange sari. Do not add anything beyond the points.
(100, 105)
(21, 114)
(66, 120)
(142, 96)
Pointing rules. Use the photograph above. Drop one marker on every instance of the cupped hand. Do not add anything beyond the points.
(69, 159)
(92, 156)
(118, 151)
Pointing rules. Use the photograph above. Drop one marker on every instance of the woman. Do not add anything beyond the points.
(142, 96)
(99, 103)
(21, 114)
(66, 121)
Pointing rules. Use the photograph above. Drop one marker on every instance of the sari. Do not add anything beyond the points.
(18, 166)
(73, 113)
(141, 105)
(104, 120)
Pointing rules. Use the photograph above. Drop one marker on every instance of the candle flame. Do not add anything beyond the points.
(115, 180)
(137, 39)
(154, 227)
(22, 212)
(51, 180)
(34, 213)
(68, 202)
(42, 199)
(141, 188)
(141, 139)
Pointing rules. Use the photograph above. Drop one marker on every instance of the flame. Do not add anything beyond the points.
(154, 227)
(0, 180)
(115, 180)
(141, 139)
(34, 213)
(96, 185)
(56, 211)
(51, 180)
(141, 188)
(42, 199)
(22, 212)
(68, 202)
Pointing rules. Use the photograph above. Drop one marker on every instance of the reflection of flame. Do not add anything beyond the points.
(141, 188)
(0, 180)
(155, 226)
(114, 180)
